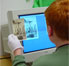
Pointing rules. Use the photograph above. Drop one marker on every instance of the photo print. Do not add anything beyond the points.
(18, 29)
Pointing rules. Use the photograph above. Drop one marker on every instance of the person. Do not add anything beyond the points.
(57, 17)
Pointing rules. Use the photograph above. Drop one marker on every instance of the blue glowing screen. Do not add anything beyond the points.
(36, 33)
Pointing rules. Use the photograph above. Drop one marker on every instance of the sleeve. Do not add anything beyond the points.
(19, 61)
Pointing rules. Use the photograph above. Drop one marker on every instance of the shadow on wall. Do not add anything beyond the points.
(1, 42)
(1, 45)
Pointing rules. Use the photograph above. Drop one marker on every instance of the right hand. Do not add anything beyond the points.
(14, 43)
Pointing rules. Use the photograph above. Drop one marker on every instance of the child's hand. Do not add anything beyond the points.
(14, 43)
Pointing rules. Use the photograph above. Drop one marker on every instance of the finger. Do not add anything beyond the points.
(11, 37)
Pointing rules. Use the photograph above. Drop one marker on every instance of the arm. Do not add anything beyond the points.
(18, 52)
(19, 60)
(16, 48)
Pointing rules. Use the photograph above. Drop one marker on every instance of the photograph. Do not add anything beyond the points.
(18, 29)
